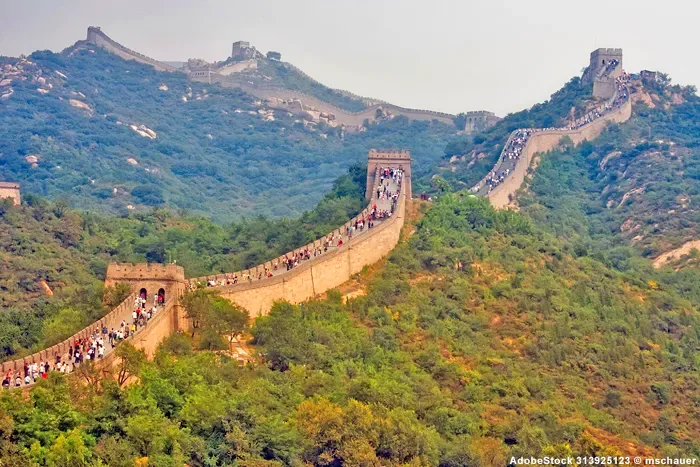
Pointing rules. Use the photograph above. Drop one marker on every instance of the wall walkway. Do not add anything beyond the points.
(97, 37)
(256, 292)
(309, 279)
(617, 110)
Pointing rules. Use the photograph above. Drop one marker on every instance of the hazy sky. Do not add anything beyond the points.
(453, 56)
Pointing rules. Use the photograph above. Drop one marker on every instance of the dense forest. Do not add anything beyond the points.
(483, 337)
(67, 134)
(69, 251)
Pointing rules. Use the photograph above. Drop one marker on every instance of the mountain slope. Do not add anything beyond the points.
(636, 185)
(108, 134)
(481, 339)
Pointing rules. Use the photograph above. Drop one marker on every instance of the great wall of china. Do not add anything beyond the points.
(254, 292)
(353, 120)
(616, 109)
(97, 37)
(319, 273)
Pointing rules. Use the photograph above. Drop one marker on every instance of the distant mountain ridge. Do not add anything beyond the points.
(289, 88)
(117, 136)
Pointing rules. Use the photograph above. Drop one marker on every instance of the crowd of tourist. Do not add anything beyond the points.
(91, 348)
(516, 144)
(387, 194)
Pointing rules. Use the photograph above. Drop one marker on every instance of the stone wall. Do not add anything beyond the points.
(604, 88)
(237, 67)
(111, 320)
(544, 141)
(97, 37)
(323, 273)
(343, 116)
(162, 325)
(346, 117)
(10, 190)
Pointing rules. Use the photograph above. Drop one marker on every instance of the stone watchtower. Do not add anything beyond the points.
(479, 120)
(167, 280)
(10, 190)
(239, 48)
(390, 159)
(605, 66)
(601, 58)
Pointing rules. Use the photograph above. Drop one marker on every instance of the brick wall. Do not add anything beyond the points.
(544, 141)
(323, 273)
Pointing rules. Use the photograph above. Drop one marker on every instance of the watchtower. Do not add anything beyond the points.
(601, 60)
(239, 48)
(166, 280)
(92, 33)
(10, 190)
(479, 120)
(390, 159)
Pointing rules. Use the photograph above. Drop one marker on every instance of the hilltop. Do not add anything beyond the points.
(113, 135)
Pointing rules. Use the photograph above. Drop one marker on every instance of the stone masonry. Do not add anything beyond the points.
(10, 190)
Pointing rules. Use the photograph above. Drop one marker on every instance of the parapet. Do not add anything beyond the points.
(389, 154)
(479, 113)
(606, 51)
(148, 271)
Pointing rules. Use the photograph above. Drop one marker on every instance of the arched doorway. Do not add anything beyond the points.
(143, 293)
(161, 296)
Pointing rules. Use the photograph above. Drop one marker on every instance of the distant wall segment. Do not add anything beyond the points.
(97, 37)
(346, 117)
(545, 141)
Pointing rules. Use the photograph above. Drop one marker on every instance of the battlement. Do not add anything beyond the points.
(124, 272)
(606, 51)
(395, 154)
(479, 113)
(10, 190)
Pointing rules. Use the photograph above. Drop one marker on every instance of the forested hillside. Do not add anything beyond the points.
(112, 135)
(69, 251)
(635, 186)
(483, 337)
(276, 73)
